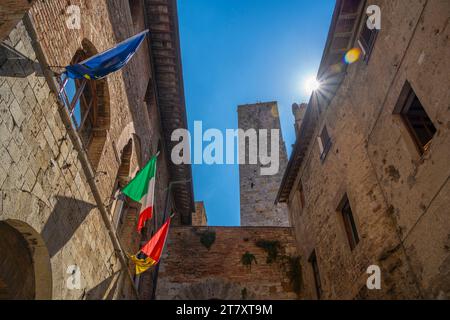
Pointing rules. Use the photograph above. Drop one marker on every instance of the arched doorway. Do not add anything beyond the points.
(25, 269)
(214, 289)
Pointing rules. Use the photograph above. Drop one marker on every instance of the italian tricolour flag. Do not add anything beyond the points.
(142, 189)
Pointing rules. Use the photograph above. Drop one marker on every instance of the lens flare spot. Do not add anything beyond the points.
(352, 55)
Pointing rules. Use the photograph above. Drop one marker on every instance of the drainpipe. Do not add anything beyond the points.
(82, 155)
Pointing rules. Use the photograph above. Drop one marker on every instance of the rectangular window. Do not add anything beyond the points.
(301, 194)
(416, 118)
(315, 268)
(324, 142)
(366, 40)
(349, 223)
(149, 93)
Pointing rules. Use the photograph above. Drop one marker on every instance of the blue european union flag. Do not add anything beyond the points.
(102, 64)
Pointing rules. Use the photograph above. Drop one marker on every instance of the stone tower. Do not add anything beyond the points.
(258, 192)
(299, 114)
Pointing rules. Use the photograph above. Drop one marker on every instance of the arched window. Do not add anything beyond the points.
(123, 175)
(91, 113)
(122, 179)
(125, 212)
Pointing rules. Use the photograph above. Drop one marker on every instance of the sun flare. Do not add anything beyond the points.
(311, 85)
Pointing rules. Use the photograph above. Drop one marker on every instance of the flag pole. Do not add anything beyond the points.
(141, 242)
(169, 190)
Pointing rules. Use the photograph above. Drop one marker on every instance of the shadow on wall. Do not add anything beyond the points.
(12, 65)
(104, 290)
(215, 289)
(67, 215)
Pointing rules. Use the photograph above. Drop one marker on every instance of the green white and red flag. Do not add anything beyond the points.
(142, 189)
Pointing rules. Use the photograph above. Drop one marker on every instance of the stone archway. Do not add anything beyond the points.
(25, 269)
(214, 289)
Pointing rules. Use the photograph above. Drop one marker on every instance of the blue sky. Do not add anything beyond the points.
(245, 51)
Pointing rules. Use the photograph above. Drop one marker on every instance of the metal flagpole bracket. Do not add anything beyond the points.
(121, 196)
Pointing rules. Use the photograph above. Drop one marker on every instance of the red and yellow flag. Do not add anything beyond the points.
(152, 250)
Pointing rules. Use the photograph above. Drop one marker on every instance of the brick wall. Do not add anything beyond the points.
(11, 12)
(189, 270)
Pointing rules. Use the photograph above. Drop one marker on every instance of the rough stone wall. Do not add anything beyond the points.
(42, 181)
(199, 217)
(258, 192)
(398, 197)
(194, 272)
(130, 113)
(104, 23)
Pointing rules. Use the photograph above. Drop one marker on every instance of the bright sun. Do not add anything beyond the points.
(311, 84)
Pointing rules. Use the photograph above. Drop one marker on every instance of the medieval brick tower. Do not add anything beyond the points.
(257, 191)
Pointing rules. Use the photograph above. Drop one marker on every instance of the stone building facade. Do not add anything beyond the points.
(199, 217)
(257, 191)
(368, 180)
(228, 263)
(60, 216)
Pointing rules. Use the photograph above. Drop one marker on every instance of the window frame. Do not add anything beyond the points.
(348, 219)
(88, 105)
(404, 114)
(316, 273)
(404, 103)
(367, 48)
(301, 195)
(324, 146)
